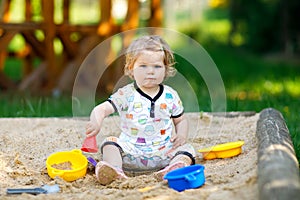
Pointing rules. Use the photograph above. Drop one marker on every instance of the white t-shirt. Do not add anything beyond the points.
(146, 121)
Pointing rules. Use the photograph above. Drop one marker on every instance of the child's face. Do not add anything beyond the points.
(149, 69)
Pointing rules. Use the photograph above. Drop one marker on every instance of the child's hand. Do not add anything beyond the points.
(177, 141)
(91, 129)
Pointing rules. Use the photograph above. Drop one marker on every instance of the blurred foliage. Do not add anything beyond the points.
(266, 25)
(262, 26)
(255, 46)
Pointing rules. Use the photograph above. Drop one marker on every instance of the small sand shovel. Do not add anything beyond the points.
(45, 189)
(90, 145)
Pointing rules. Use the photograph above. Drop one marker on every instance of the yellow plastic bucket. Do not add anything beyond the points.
(225, 150)
(78, 162)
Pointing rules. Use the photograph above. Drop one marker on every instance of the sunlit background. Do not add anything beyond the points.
(255, 45)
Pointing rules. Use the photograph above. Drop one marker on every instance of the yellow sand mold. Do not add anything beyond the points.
(225, 150)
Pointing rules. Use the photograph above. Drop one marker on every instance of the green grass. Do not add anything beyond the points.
(16, 105)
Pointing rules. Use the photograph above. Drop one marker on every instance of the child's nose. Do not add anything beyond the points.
(150, 69)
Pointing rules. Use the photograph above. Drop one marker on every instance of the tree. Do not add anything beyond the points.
(267, 25)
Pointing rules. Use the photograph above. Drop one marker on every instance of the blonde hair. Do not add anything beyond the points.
(149, 43)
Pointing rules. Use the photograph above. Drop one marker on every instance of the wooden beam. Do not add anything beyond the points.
(34, 81)
(28, 67)
(5, 39)
(278, 167)
(233, 114)
(25, 26)
(71, 48)
(84, 29)
(37, 46)
(21, 26)
(5, 82)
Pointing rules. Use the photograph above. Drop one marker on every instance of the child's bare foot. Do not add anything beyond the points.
(106, 173)
(160, 174)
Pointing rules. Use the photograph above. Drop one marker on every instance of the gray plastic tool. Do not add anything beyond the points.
(45, 189)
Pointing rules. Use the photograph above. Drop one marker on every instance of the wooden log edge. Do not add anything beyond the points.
(233, 114)
(278, 167)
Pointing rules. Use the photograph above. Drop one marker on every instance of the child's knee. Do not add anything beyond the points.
(110, 144)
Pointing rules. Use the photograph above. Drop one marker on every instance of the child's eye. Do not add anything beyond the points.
(158, 66)
(143, 66)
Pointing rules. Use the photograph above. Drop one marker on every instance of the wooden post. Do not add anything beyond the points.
(278, 167)
(28, 61)
(50, 31)
(6, 37)
(28, 12)
(156, 14)
(70, 47)
(132, 16)
(66, 11)
(5, 6)
(106, 22)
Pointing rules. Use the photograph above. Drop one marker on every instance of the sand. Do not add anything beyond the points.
(25, 144)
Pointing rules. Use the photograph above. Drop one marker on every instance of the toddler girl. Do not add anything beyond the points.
(148, 111)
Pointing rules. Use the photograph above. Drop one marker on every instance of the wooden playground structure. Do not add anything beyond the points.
(59, 71)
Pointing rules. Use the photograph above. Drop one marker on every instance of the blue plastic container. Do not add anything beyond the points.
(186, 178)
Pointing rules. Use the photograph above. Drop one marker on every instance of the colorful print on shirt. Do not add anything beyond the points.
(146, 121)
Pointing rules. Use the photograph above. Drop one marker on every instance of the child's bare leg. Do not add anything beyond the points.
(111, 155)
(178, 161)
(181, 158)
(110, 168)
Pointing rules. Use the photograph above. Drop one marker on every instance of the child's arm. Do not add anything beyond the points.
(181, 128)
(97, 116)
